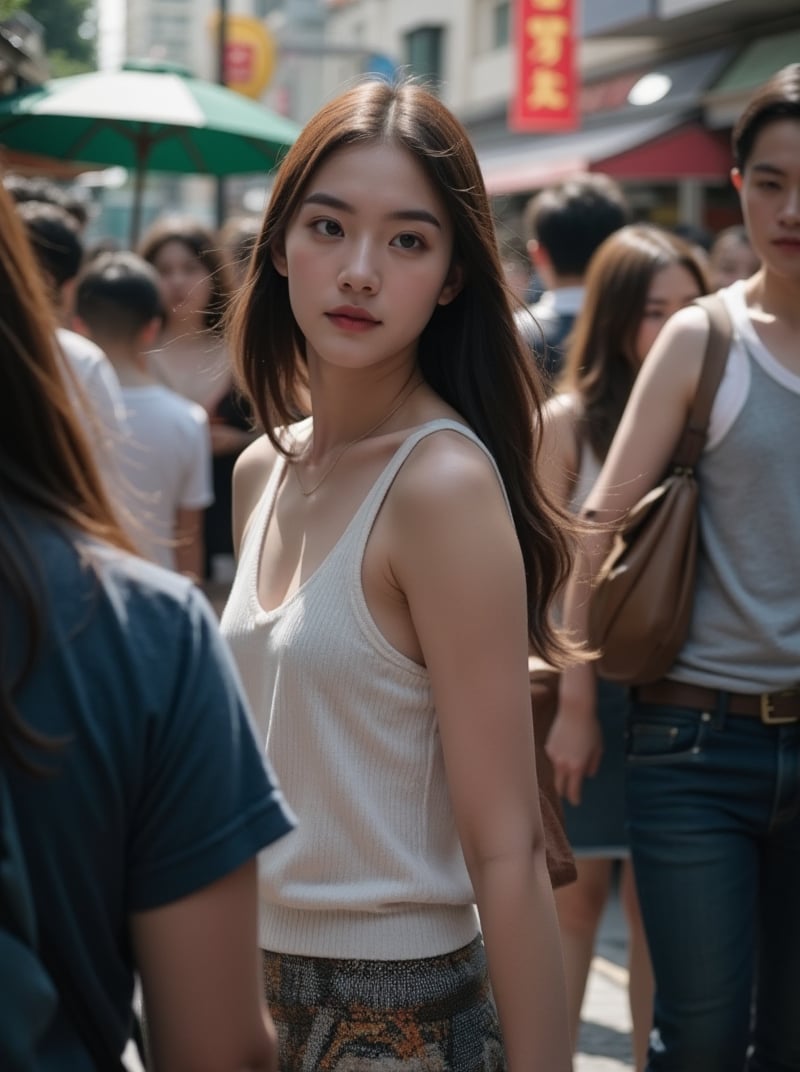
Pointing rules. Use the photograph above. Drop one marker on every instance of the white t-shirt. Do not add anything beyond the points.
(102, 414)
(167, 461)
(97, 377)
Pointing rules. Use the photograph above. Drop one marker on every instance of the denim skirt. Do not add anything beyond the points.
(434, 1014)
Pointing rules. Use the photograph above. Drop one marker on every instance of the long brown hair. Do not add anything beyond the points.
(469, 353)
(601, 363)
(46, 464)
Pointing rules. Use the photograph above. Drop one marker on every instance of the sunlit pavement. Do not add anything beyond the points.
(604, 1044)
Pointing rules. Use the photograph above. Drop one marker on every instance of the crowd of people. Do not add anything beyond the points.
(399, 481)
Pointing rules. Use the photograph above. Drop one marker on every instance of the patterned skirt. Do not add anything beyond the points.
(430, 1015)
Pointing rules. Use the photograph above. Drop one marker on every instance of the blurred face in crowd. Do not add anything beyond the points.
(671, 288)
(732, 258)
(769, 190)
(185, 283)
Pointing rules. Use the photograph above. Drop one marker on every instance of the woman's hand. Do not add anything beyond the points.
(575, 742)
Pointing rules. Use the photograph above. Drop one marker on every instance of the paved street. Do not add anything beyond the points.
(605, 1040)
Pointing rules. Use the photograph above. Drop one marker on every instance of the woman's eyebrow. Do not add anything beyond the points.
(421, 215)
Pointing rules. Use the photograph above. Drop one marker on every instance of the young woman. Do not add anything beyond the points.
(138, 791)
(192, 359)
(714, 748)
(637, 279)
(395, 562)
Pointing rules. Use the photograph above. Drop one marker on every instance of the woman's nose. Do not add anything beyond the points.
(360, 270)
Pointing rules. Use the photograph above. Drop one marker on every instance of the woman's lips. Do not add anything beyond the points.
(352, 319)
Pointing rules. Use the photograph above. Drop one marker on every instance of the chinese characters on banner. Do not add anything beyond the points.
(546, 81)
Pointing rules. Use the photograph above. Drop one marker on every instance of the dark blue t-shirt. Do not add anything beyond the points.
(159, 788)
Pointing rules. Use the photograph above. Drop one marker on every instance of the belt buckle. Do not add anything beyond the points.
(767, 708)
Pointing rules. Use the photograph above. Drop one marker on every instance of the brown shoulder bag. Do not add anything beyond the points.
(641, 601)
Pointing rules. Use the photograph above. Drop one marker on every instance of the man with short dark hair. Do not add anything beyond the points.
(564, 224)
(167, 459)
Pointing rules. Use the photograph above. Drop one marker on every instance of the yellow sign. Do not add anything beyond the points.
(250, 53)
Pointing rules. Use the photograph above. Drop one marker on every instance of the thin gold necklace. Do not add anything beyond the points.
(364, 435)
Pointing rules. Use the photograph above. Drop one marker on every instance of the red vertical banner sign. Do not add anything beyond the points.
(546, 78)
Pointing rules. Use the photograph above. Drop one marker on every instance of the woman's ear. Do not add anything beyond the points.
(278, 254)
(736, 179)
(453, 285)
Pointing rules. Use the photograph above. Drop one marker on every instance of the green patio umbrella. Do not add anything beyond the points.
(146, 117)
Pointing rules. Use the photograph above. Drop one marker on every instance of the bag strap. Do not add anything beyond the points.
(720, 335)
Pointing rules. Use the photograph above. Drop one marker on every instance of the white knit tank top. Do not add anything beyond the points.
(374, 869)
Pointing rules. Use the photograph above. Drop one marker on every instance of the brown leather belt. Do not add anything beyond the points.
(773, 708)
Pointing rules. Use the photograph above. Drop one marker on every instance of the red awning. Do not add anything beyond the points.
(663, 149)
(690, 152)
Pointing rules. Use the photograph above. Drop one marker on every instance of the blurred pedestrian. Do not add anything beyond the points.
(713, 776)
(58, 249)
(732, 257)
(637, 279)
(44, 191)
(166, 456)
(564, 224)
(138, 791)
(396, 559)
(192, 359)
(238, 237)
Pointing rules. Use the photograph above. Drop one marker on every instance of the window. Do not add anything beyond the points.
(424, 53)
(501, 24)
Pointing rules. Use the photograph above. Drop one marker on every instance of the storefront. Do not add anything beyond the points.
(663, 133)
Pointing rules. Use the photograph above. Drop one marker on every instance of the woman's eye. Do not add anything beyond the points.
(407, 241)
(329, 228)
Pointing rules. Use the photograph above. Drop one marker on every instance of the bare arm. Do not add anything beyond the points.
(457, 560)
(200, 969)
(189, 543)
(643, 445)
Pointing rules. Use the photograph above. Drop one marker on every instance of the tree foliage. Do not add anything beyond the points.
(70, 30)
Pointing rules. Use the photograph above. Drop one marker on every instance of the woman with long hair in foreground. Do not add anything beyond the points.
(396, 559)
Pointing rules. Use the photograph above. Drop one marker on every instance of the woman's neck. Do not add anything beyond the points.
(345, 410)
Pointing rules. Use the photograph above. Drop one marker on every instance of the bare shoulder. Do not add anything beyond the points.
(446, 471)
(558, 457)
(449, 535)
(560, 415)
(254, 465)
(679, 349)
(251, 474)
(562, 408)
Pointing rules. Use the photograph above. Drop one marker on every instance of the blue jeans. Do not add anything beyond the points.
(713, 804)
